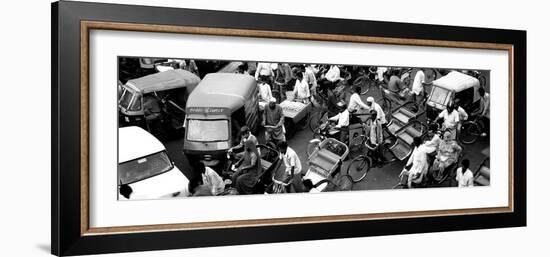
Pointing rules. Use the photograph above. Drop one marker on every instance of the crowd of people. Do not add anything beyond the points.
(318, 84)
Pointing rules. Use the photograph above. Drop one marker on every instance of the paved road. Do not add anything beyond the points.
(377, 178)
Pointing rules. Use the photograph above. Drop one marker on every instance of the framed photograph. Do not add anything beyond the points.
(179, 128)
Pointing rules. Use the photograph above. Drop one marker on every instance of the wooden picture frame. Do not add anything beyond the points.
(71, 24)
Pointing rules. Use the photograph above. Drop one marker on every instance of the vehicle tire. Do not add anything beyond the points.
(387, 153)
(312, 146)
(358, 167)
(469, 132)
(420, 127)
(315, 120)
(363, 82)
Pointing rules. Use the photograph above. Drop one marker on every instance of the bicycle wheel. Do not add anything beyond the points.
(386, 107)
(387, 154)
(359, 167)
(312, 146)
(356, 143)
(469, 132)
(400, 186)
(344, 183)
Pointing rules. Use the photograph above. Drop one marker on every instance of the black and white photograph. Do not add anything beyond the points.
(206, 127)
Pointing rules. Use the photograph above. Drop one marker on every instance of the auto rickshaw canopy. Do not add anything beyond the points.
(223, 90)
(165, 80)
(457, 81)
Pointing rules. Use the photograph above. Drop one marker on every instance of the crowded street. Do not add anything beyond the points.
(353, 86)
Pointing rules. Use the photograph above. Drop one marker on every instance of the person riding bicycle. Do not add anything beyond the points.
(273, 121)
(396, 85)
(355, 102)
(372, 105)
(342, 122)
(450, 118)
(417, 166)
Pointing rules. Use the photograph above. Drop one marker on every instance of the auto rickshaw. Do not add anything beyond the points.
(216, 110)
(157, 97)
(447, 89)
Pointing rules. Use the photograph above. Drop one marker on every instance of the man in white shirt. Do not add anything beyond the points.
(264, 69)
(264, 91)
(310, 72)
(211, 179)
(293, 166)
(417, 163)
(464, 176)
(484, 110)
(355, 102)
(451, 118)
(373, 106)
(333, 74)
(418, 84)
(342, 122)
(301, 89)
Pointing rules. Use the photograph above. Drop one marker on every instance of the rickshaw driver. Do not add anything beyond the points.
(355, 102)
(417, 166)
(342, 122)
(451, 119)
(484, 110)
(273, 120)
(245, 136)
(380, 115)
(293, 166)
(264, 91)
(375, 136)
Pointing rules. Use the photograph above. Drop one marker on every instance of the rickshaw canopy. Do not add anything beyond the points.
(457, 81)
(165, 80)
(223, 90)
(134, 142)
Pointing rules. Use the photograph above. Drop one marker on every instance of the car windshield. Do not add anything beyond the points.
(208, 130)
(125, 98)
(439, 95)
(142, 168)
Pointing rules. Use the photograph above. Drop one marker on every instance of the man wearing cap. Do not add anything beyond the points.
(273, 121)
(380, 115)
(245, 136)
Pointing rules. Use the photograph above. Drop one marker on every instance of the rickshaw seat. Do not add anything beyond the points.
(324, 159)
(401, 149)
(403, 115)
(408, 134)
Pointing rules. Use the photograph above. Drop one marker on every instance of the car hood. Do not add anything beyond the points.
(160, 186)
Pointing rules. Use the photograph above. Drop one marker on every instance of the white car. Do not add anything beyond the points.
(144, 168)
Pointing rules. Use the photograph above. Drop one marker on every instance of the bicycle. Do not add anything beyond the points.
(471, 130)
(360, 165)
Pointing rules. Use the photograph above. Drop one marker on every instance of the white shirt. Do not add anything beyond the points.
(380, 115)
(265, 92)
(212, 180)
(342, 118)
(263, 68)
(449, 119)
(419, 161)
(485, 103)
(380, 73)
(290, 159)
(433, 144)
(462, 114)
(301, 89)
(310, 76)
(333, 74)
(417, 86)
(465, 179)
(355, 103)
